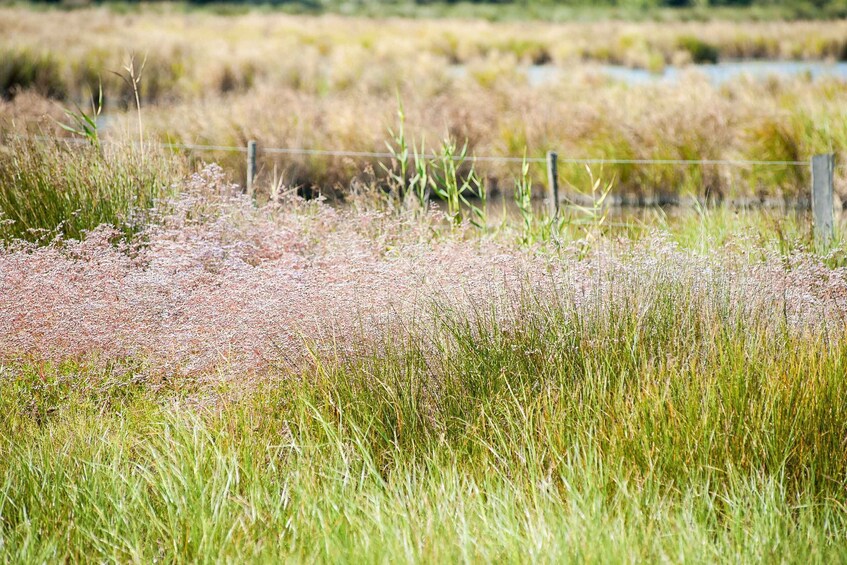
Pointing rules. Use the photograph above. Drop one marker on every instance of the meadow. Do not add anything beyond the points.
(400, 373)
(299, 382)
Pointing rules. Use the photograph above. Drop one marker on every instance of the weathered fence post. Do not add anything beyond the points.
(251, 166)
(822, 196)
(553, 179)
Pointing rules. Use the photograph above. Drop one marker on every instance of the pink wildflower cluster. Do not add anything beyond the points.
(218, 287)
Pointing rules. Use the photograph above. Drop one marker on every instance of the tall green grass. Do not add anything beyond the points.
(665, 430)
(50, 188)
(22, 69)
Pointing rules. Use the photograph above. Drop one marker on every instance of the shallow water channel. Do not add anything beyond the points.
(717, 73)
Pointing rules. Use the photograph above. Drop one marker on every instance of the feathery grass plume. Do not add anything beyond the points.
(520, 404)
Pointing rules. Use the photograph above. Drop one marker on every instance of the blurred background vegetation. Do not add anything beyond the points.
(556, 10)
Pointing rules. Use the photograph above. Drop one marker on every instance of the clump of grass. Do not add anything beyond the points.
(523, 202)
(22, 69)
(699, 50)
(453, 186)
(57, 188)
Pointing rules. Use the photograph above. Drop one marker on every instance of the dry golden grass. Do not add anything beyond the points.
(196, 52)
(333, 82)
(581, 118)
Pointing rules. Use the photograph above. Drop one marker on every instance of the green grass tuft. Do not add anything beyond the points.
(50, 189)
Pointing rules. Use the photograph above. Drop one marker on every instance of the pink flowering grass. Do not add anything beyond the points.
(307, 383)
(215, 287)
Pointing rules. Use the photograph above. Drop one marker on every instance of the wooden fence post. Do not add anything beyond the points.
(553, 180)
(251, 166)
(822, 196)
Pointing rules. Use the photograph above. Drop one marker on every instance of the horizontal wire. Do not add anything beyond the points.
(490, 158)
(228, 148)
(589, 160)
(731, 162)
(384, 155)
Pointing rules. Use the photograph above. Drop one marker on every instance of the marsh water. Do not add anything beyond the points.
(720, 73)
(717, 73)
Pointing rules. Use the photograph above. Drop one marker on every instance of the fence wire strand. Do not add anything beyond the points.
(470, 158)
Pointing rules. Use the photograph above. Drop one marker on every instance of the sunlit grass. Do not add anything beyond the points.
(50, 189)
(372, 380)
(673, 434)
(625, 402)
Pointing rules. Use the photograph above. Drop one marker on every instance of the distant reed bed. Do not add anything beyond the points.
(336, 83)
(195, 53)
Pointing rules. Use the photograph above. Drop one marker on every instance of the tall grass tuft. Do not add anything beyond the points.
(50, 188)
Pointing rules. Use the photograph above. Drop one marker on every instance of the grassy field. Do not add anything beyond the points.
(381, 383)
(411, 374)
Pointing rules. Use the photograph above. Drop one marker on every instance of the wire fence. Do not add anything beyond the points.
(469, 158)
(821, 167)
